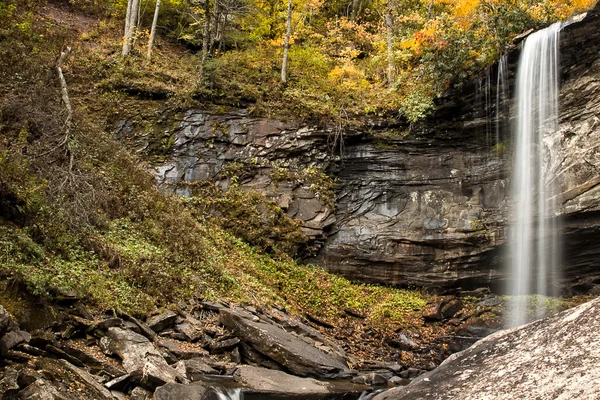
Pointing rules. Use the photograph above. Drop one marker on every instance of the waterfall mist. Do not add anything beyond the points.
(534, 248)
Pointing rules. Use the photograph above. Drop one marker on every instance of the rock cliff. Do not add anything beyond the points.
(424, 205)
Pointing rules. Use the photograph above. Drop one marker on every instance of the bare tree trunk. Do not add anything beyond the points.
(205, 38)
(127, 18)
(153, 31)
(389, 25)
(216, 16)
(286, 43)
(429, 9)
(130, 26)
(65, 98)
(138, 22)
(356, 6)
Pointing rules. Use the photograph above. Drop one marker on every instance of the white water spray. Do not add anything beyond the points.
(230, 394)
(502, 108)
(533, 246)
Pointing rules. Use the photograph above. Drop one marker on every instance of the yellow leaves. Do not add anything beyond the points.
(551, 10)
(348, 76)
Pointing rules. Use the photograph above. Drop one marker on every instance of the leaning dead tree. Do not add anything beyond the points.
(67, 102)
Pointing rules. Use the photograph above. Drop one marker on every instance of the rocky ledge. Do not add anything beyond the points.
(555, 358)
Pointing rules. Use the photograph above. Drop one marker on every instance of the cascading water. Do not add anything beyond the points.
(502, 108)
(533, 245)
(230, 394)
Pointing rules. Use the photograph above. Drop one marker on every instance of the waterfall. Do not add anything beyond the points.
(230, 394)
(533, 246)
(502, 108)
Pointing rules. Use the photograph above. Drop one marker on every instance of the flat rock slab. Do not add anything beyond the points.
(268, 382)
(289, 350)
(556, 358)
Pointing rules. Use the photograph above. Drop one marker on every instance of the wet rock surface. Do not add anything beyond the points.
(555, 358)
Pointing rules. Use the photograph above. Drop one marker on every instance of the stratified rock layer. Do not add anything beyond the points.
(428, 205)
(556, 358)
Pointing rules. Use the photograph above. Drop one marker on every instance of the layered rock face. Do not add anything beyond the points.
(433, 208)
(428, 205)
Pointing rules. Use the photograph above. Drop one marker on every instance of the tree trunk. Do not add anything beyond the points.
(153, 31)
(429, 9)
(286, 43)
(389, 25)
(205, 38)
(130, 26)
(356, 8)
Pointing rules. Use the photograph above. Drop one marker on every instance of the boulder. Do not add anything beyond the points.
(555, 358)
(12, 339)
(299, 355)
(131, 347)
(162, 321)
(191, 328)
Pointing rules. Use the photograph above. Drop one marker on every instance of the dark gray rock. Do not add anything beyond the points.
(162, 321)
(253, 357)
(223, 346)
(267, 382)
(298, 355)
(176, 391)
(555, 358)
(107, 323)
(191, 329)
(194, 369)
(41, 390)
(13, 339)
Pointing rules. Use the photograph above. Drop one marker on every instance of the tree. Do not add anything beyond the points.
(153, 30)
(205, 38)
(286, 43)
(131, 20)
(389, 26)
